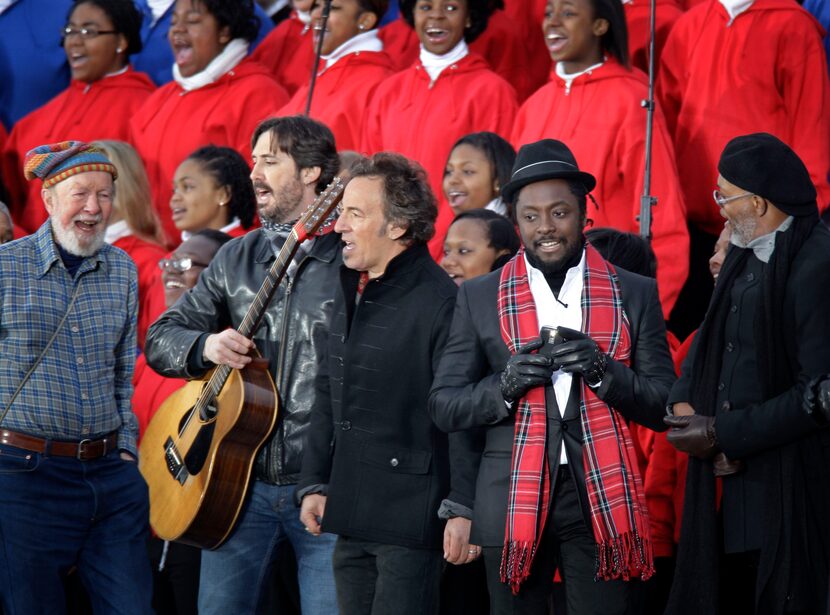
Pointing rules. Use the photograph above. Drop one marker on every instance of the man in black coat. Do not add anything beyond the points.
(375, 467)
(738, 408)
(565, 406)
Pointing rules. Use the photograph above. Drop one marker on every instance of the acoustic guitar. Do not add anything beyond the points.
(198, 451)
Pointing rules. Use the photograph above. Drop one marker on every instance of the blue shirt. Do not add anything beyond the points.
(82, 388)
(33, 68)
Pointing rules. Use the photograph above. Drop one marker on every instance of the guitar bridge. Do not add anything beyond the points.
(175, 464)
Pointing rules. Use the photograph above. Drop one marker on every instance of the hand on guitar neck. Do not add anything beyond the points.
(229, 348)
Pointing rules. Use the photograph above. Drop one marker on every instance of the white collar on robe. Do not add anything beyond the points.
(365, 41)
(233, 53)
(116, 231)
(434, 64)
(735, 7)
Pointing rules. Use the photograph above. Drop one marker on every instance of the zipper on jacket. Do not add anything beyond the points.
(286, 305)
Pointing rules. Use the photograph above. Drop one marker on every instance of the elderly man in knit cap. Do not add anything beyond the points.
(71, 491)
(737, 408)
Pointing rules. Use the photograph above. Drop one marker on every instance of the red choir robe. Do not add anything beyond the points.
(766, 72)
(502, 44)
(602, 122)
(288, 52)
(150, 390)
(82, 112)
(173, 123)
(637, 16)
(422, 119)
(342, 94)
(146, 256)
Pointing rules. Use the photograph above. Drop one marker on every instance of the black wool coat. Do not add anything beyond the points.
(371, 439)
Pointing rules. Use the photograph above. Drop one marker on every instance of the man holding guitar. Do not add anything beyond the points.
(375, 467)
(294, 160)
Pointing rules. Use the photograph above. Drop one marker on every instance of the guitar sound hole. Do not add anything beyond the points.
(195, 458)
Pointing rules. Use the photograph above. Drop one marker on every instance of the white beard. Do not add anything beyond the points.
(70, 242)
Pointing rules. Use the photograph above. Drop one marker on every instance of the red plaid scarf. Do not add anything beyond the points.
(615, 489)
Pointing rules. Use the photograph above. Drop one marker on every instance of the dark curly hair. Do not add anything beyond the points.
(125, 19)
(407, 198)
(309, 143)
(237, 15)
(626, 250)
(229, 169)
(478, 11)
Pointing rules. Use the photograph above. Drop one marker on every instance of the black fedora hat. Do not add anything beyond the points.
(545, 159)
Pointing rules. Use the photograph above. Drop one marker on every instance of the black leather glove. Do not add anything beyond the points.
(524, 371)
(693, 434)
(816, 399)
(579, 354)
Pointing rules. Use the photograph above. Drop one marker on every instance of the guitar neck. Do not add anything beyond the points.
(253, 317)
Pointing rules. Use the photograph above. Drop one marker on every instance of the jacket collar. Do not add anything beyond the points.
(324, 249)
(46, 253)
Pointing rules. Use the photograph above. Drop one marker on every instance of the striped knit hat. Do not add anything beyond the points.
(55, 162)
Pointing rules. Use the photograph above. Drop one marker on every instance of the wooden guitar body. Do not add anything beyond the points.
(198, 468)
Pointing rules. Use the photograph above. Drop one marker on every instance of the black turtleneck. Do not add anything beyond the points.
(72, 262)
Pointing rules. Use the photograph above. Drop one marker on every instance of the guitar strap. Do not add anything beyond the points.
(43, 352)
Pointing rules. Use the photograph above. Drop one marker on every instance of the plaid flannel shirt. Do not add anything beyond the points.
(82, 388)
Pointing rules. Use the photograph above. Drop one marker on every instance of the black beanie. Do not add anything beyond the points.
(764, 165)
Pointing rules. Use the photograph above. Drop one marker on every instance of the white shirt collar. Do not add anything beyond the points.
(159, 7)
(763, 246)
(365, 41)
(435, 64)
(497, 205)
(225, 229)
(569, 78)
(5, 4)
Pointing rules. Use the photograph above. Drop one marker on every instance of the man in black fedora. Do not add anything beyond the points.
(744, 407)
(557, 481)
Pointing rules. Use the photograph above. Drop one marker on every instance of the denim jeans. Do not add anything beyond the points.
(379, 579)
(59, 512)
(234, 576)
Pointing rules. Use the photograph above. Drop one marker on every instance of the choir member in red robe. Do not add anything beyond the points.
(637, 16)
(212, 189)
(503, 44)
(592, 103)
(102, 96)
(135, 228)
(731, 69)
(353, 64)
(217, 96)
(287, 50)
(449, 92)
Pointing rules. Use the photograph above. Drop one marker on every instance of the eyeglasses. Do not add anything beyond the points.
(179, 264)
(723, 200)
(86, 33)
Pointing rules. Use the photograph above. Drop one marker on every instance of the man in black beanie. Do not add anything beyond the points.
(737, 408)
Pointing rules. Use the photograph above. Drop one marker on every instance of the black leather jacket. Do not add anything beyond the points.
(293, 333)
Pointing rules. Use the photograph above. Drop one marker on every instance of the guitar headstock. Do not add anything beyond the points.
(318, 212)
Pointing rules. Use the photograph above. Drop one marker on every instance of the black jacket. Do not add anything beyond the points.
(780, 503)
(292, 336)
(466, 391)
(371, 440)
